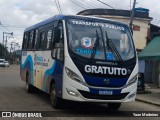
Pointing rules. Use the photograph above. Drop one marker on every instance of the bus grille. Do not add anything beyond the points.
(112, 86)
(103, 97)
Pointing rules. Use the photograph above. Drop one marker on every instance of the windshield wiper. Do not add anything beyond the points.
(112, 48)
(96, 44)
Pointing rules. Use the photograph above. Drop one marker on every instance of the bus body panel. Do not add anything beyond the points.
(27, 66)
(43, 70)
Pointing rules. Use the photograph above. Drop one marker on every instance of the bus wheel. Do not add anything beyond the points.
(29, 87)
(114, 106)
(55, 100)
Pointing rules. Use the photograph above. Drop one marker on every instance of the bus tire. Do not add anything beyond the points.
(29, 87)
(55, 100)
(114, 106)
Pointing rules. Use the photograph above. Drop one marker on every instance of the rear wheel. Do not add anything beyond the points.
(29, 87)
(55, 100)
(114, 106)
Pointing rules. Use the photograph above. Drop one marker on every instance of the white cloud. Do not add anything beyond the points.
(23, 13)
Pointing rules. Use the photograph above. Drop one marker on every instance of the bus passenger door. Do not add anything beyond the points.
(59, 43)
(58, 56)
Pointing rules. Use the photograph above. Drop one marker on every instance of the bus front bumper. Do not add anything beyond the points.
(83, 94)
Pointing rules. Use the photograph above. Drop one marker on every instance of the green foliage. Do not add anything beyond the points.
(3, 50)
(11, 57)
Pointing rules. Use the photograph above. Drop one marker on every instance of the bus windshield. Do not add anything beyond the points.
(99, 40)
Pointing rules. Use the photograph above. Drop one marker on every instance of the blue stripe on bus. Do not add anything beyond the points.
(28, 64)
(55, 72)
(46, 75)
(57, 76)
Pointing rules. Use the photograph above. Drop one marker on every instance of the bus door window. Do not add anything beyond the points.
(58, 43)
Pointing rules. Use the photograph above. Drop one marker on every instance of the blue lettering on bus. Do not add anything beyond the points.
(84, 51)
(38, 59)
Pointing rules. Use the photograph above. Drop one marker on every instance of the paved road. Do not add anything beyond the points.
(13, 97)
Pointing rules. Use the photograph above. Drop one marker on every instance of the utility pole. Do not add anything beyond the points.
(11, 47)
(132, 15)
(3, 48)
(12, 56)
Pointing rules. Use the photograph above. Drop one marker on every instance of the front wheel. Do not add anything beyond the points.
(114, 106)
(55, 100)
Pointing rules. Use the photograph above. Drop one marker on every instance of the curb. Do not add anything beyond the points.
(147, 102)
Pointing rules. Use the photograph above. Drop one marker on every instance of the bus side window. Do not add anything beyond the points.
(31, 39)
(26, 41)
(42, 40)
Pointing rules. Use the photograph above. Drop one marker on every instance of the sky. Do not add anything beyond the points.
(16, 15)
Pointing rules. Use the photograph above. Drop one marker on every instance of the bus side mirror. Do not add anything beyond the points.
(57, 35)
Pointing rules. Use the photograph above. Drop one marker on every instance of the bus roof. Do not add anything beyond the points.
(62, 17)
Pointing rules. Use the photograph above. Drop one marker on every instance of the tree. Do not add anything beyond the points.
(3, 50)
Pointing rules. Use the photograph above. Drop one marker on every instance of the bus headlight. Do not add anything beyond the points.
(74, 76)
(131, 81)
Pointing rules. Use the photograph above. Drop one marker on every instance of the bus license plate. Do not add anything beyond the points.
(106, 92)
